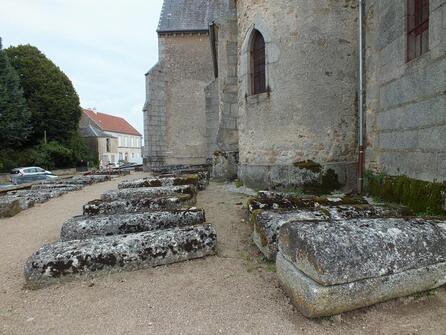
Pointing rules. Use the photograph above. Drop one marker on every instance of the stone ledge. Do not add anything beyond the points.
(314, 300)
(81, 227)
(61, 261)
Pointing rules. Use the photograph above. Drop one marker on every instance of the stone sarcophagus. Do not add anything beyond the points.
(84, 258)
(84, 227)
(328, 268)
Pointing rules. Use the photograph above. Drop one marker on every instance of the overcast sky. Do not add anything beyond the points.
(104, 46)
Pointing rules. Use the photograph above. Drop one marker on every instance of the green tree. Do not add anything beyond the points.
(14, 113)
(51, 97)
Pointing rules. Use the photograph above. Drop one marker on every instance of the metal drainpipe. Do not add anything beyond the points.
(361, 158)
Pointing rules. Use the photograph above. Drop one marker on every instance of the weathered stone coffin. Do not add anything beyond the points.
(38, 196)
(67, 260)
(332, 267)
(81, 227)
(147, 192)
(267, 224)
(11, 206)
(272, 200)
(161, 182)
(100, 207)
(64, 187)
(80, 180)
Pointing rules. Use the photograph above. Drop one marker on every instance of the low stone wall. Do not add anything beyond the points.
(328, 268)
(176, 201)
(67, 260)
(81, 228)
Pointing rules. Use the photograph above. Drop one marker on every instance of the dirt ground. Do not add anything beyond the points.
(232, 293)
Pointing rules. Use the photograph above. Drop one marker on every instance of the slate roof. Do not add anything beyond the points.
(91, 131)
(190, 15)
(112, 123)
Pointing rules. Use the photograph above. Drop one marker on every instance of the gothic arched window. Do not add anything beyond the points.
(258, 64)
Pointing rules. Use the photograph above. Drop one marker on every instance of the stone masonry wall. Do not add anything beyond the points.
(175, 116)
(310, 110)
(188, 69)
(405, 101)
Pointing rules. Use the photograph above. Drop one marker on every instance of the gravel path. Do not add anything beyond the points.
(233, 293)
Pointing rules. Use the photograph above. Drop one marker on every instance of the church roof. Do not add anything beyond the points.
(190, 15)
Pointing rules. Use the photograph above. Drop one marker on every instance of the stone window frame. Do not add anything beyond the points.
(271, 56)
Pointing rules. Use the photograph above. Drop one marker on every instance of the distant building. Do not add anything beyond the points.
(115, 139)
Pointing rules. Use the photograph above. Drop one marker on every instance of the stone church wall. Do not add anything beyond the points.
(405, 101)
(309, 112)
(176, 127)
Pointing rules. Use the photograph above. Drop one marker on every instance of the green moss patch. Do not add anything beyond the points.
(420, 196)
(309, 165)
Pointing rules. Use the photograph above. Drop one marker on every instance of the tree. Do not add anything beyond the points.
(14, 113)
(51, 97)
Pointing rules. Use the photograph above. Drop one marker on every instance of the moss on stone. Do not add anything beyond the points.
(309, 165)
(420, 196)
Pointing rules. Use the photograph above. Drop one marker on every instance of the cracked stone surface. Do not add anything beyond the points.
(160, 182)
(100, 207)
(67, 260)
(267, 224)
(81, 227)
(147, 192)
(333, 253)
(38, 196)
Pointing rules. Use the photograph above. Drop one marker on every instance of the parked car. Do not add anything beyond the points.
(30, 174)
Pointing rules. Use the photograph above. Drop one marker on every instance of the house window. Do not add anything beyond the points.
(108, 145)
(417, 28)
(258, 64)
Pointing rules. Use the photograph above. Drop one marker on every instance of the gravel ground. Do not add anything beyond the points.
(232, 293)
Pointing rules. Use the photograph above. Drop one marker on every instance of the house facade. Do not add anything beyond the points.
(269, 90)
(119, 141)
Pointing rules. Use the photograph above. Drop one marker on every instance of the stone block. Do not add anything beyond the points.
(267, 224)
(82, 227)
(148, 192)
(351, 250)
(315, 300)
(68, 260)
(38, 196)
(275, 200)
(161, 182)
(100, 207)
(64, 187)
(11, 206)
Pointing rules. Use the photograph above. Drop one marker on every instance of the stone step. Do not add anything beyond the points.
(39, 196)
(148, 192)
(81, 227)
(67, 260)
(332, 267)
(161, 182)
(267, 224)
(272, 201)
(100, 207)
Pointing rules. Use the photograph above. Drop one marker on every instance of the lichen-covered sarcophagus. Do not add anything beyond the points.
(83, 258)
(84, 227)
(328, 268)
